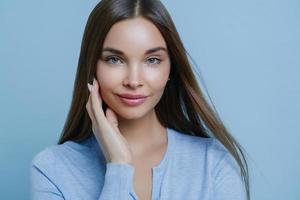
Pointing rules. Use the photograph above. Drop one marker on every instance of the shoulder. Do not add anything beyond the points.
(46, 156)
(208, 151)
(62, 154)
(217, 155)
(210, 146)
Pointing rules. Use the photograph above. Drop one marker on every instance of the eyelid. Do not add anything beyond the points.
(112, 56)
(158, 57)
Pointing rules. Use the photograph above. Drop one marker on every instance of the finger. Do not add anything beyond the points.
(89, 109)
(95, 104)
(97, 88)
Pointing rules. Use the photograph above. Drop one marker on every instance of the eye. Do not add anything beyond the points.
(153, 59)
(113, 59)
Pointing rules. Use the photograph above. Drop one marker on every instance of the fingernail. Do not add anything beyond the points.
(94, 81)
(89, 87)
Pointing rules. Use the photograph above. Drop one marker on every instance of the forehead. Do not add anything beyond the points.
(134, 36)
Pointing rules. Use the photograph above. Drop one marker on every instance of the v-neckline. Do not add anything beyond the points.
(95, 145)
(166, 156)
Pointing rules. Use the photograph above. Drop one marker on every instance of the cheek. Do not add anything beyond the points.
(107, 81)
(107, 78)
(157, 77)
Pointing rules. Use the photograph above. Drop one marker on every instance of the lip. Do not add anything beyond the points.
(131, 96)
(132, 100)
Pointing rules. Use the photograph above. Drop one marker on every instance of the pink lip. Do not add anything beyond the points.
(133, 102)
(131, 96)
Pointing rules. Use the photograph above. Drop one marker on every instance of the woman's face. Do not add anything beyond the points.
(128, 66)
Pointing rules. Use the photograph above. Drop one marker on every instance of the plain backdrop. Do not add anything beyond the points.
(248, 53)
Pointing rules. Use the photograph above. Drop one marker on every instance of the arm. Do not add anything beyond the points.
(118, 182)
(42, 187)
(228, 184)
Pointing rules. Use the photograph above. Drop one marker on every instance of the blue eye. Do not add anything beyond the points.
(158, 60)
(113, 59)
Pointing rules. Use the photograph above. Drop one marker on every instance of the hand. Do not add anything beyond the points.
(105, 128)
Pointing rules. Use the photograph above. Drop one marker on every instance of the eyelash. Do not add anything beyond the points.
(115, 57)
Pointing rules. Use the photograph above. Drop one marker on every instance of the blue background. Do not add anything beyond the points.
(248, 53)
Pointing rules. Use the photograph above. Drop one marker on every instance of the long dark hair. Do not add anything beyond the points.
(182, 107)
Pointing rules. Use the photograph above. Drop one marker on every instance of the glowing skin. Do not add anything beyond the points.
(134, 72)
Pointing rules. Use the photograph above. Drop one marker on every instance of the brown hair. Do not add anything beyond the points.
(194, 116)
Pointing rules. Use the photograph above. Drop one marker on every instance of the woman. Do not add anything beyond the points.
(142, 129)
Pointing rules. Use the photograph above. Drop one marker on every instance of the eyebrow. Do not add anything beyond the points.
(149, 51)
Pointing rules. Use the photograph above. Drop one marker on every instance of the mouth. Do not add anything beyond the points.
(132, 101)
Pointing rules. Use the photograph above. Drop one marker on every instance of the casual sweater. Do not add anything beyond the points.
(193, 168)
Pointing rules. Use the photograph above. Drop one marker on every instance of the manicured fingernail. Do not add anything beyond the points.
(89, 87)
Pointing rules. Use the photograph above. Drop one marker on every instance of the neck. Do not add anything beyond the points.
(143, 132)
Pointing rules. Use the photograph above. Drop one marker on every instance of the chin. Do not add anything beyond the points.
(131, 113)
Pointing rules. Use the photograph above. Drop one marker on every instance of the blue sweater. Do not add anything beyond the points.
(193, 168)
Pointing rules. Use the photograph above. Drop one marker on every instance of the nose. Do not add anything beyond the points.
(133, 78)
